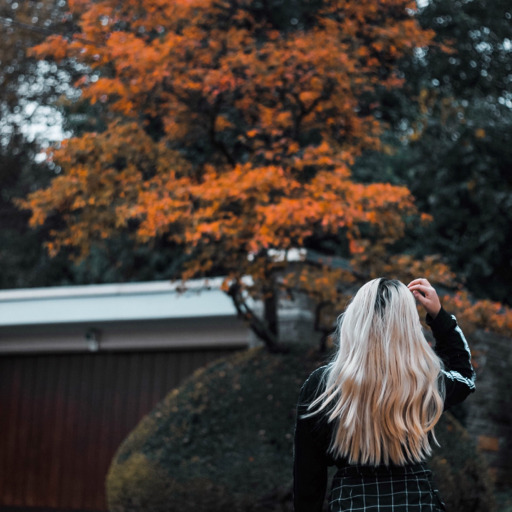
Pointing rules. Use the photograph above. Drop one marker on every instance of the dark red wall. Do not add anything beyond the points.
(62, 418)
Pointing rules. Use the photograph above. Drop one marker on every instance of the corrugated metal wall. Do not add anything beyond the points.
(62, 418)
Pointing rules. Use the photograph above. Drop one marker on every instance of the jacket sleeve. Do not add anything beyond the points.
(310, 459)
(452, 347)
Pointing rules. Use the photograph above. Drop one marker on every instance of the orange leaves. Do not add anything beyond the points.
(324, 283)
(260, 207)
(127, 50)
(281, 84)
(54, 46)
(241, 137)
(104, 88)
(101, 184)
(222, 123)
(406, 268)
(483, 314)
(426, 218)
(307, 97)
(215, 82)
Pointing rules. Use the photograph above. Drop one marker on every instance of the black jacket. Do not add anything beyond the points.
(313, 434)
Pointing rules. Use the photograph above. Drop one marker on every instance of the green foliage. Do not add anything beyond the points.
(146, 476)
(22, 258)
(26, 85)
(453, 149)
(459, 471)
(223, 441)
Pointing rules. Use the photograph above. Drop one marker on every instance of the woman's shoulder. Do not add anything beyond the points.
(314, 384)
(317, 376)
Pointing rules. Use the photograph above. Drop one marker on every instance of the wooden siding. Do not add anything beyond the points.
(63, 417)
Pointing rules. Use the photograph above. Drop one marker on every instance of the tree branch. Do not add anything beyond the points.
(213, 139)
(256, 324)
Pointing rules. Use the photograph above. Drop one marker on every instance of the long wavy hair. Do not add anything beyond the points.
(383, 390)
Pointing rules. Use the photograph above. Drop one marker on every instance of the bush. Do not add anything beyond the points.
(224, 439)
(459, 471)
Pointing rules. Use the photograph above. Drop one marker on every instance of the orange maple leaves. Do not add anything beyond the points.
(235, 138)
(227, 134)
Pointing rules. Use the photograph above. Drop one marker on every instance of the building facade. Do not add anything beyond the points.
(80, 366)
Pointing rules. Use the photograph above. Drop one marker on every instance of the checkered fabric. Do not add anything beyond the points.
(381, 489)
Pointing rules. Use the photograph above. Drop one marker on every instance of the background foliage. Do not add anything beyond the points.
(452, 148)
(27, 89)
(229, 130)
(253, 93)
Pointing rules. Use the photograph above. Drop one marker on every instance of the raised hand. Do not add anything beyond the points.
(426, 295)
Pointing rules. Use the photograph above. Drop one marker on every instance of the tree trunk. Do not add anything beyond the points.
(270, 313)
(266, 328)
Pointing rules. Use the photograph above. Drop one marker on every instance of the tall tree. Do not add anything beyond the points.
(232, 127)
(28, 91)
(455, 152)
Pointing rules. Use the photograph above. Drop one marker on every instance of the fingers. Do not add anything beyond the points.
(421, 285)
(425, 290)
(421, 281)
(426, 295)
(421, 299)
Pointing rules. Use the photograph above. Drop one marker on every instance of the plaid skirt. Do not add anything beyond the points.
(380, 489)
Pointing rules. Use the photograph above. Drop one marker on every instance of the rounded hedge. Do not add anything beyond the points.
(224, 439)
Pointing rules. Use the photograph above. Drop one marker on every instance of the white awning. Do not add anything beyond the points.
(158, 300)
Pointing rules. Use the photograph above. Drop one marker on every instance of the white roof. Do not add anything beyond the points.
(157, 300)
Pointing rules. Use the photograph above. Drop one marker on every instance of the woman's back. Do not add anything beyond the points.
(371, 412)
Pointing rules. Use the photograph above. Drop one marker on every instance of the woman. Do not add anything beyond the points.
(372, 410)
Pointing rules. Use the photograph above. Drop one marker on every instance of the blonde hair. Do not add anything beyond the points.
(382, 390)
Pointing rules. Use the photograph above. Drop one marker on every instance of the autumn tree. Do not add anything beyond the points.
(231, 130)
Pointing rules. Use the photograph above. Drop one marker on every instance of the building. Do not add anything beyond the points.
(80, 366)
